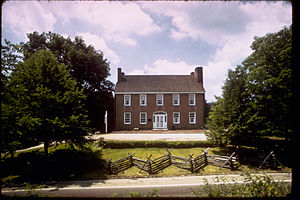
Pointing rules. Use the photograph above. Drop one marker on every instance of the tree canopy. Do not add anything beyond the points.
(48, 105)
(257, 95)
(87, 65)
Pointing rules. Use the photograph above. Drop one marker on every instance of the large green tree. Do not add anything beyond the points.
(10, 137)
(87, 65)
(270, 83)
(257, 95)
(228, 116)
(48, 104)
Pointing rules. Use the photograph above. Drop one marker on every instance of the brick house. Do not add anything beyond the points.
(159, 102)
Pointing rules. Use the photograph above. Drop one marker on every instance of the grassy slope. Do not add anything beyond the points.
(65, 163)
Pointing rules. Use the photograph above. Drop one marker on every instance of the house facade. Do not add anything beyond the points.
(159, 102)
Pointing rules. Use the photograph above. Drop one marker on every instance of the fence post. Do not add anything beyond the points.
(192, 163)
(205, 158)
(265, 159)
(170, 156)
(109, 163)
(150, 166)
(231, 164)
(131, 159)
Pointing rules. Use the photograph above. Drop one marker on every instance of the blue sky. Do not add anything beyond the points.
(155, 37)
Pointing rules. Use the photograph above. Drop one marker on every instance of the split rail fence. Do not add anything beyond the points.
(158, 164)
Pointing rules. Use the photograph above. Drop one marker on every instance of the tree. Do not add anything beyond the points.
(10, 138)
(86, 65)
(270, 83)
(257, 95)
(227, 119)
(48, 103)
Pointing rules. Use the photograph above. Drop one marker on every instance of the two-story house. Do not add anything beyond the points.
(159, 102)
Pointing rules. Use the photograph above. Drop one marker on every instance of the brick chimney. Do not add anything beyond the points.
(199, 74)
(121, 75)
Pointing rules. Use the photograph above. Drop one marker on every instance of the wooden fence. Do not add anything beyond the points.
(158, 164)
(191, 164)
(265, 160)
(121, 164)
(223, 161)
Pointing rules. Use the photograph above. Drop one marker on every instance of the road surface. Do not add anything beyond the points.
(165, 186)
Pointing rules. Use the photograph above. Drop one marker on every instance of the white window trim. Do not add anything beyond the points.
(190, 122)
(145, 95)
(141, 118)
(125, 118)
(194, 99)
(178, 118)
(158, 92)
(162, 99)
(129, 100)
(174, 99)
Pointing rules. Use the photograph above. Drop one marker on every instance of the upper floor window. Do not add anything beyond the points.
(127, 100)
(127, 118)
(176, 100)
(159, 99)
(143, 100)
(192, 99)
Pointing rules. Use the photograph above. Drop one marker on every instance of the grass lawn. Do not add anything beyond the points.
(65, 163)
(143, 153)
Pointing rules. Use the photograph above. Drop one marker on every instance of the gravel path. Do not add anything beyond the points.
(153, 137)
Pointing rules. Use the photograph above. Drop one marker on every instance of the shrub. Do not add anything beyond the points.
(253, 186)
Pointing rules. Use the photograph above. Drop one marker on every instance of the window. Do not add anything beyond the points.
(127, 100)
(143, 100)
(176, 117)
(176, 99)
(192, 99)
(159, 99)
(143, 118)
(192, 117)
(127, 118)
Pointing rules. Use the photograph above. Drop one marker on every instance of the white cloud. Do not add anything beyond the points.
(208, 21)
(165, 67)
(117, 21)
(24, 17)
(100, 44)
(264, 17)
(215, 22)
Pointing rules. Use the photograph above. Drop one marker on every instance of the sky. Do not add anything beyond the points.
(160, 37)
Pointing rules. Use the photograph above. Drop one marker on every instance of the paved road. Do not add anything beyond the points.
(167, 186)
(153, 137)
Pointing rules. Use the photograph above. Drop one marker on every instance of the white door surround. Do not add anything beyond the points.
(160, 121)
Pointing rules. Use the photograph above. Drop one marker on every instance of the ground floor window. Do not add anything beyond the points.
(176, 117)
(192, 117)
(127, 118)
(143, 118)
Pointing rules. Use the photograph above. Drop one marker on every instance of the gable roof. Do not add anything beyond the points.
(159, 83)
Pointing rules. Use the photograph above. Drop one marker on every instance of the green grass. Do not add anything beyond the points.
(143, 153)
(65, 163)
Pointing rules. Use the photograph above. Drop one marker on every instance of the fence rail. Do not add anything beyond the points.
(160, 163)
(191, 164)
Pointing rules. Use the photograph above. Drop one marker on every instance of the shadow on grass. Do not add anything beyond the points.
(62, 164)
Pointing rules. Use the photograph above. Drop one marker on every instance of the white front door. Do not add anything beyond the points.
(160, 120)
